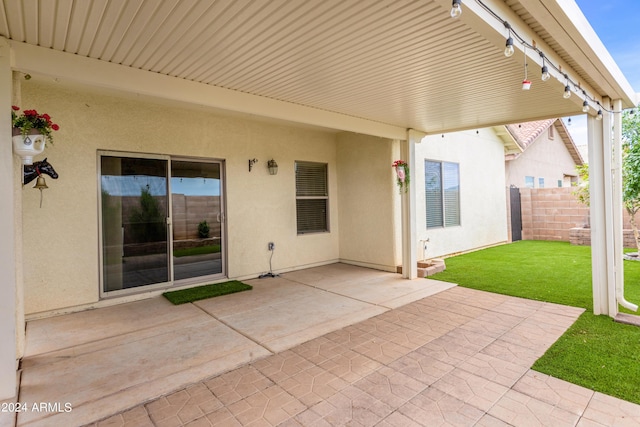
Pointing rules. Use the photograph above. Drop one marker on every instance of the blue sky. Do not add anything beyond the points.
(616, 23)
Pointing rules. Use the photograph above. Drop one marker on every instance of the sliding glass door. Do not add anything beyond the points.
(148, 238)
(196, 196)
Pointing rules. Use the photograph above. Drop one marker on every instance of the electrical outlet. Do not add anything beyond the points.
(272, 246)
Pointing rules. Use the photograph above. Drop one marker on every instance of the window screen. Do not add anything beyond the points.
(442, 194)
(312, 197)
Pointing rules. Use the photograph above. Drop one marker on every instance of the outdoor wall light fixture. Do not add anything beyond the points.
(273, 167)
(456, 9)
(251, 163)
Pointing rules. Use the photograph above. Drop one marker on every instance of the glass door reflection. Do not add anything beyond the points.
(197, 217)
(134, 222)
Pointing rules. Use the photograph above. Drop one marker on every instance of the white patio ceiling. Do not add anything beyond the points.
(403, 63)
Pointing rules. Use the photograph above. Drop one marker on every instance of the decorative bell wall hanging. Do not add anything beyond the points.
(35, 171)
(41, 184)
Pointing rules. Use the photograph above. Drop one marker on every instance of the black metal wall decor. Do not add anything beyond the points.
(33, 171)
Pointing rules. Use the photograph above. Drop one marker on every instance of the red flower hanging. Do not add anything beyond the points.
(402, 175)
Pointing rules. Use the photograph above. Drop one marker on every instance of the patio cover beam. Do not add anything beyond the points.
(8, 280)
(66, 67)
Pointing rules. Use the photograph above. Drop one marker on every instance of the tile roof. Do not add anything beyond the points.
(526, 133)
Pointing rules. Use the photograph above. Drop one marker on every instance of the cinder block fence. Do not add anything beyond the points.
(556, 214)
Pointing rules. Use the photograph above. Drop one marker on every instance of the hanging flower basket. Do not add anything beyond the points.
(402, 175)
(27, 146)
(31, 132)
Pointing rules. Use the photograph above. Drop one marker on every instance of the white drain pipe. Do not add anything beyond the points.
(616, 171)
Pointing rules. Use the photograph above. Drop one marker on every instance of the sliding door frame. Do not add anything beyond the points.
(169, 221)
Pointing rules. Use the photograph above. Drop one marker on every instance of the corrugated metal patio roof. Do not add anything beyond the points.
(403, 63)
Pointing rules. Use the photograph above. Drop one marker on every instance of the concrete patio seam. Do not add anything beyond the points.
(247, 336)
(342, 295)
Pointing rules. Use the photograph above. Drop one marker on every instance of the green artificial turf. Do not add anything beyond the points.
(206, 291)
(546, 271)
(595, 352)
(599, 354)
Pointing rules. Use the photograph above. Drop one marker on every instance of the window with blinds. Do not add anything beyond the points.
(442, 193)
(312, 197)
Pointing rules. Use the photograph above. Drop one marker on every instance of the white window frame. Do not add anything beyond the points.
(530, 184)
(443, 218)
(318, 190)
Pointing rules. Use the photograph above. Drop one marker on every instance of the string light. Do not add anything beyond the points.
(508, 50)
(546, 64)
(456, 9)
(545, 75)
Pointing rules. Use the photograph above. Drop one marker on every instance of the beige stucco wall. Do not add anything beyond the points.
(482, 196)
(366, 201)
(61, 239)
(545, 158)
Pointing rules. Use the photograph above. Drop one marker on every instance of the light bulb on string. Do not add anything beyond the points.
(508, 50)
(456, 9)
(599, 115)
(545, 73)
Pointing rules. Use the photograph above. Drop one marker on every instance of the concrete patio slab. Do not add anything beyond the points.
(96, 376)
(470, 367)
(107, 360)
(458, 357)
(374, 287)
(291, 316)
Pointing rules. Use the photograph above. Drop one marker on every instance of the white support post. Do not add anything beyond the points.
(8, 281)
(603, 211)
(409, 250)
(597, 216)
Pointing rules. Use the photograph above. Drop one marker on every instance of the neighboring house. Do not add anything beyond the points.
(543, 155)
(164, 106)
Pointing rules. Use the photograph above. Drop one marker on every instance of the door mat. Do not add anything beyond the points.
(207, 291)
